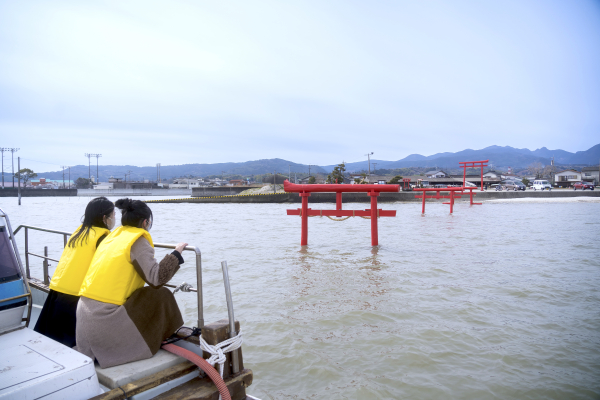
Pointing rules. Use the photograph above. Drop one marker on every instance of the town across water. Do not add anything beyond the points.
(499, 300)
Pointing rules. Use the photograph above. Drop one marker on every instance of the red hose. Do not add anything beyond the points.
(202, 364)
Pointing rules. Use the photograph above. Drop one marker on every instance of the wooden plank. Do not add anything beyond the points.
(205, 389)
(149, 382)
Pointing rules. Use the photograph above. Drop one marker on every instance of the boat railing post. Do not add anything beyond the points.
(199, 288)
(45, 265)
(232, 332)
(65, 239)
(27, 253)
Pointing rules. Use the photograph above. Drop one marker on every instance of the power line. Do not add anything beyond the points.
(43, 162)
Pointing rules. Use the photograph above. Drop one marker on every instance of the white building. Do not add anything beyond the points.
(567, 177)
(184, 183)
(436, 174)
(104, 186)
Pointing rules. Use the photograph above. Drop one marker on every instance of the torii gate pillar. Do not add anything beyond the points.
(374, 212)
(304, 234)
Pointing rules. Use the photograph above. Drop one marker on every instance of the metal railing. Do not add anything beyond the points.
(45, 264)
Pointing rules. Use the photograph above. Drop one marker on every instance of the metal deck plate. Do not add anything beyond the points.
(21, 364)
(34, 366)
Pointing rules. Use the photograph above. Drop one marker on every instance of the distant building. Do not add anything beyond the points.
(495, 175)
(591, 174)
(436, 174)
(184, 183)
(567, 178)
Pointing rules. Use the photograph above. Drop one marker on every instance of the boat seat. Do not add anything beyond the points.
(120, 375)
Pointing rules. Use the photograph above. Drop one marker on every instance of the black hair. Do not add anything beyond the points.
(134, 212)
(95, 212)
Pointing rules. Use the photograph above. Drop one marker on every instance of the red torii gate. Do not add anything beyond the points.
(373, 213)
(472, 164)
(454, 193)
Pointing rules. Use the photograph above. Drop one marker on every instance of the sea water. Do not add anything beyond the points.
(500, 300)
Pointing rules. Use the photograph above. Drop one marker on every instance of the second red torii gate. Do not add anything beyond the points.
(472, 164)
(373, 213)
(453, 193)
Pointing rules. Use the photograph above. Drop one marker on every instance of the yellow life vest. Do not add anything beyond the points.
(112, 277)
(75, 262)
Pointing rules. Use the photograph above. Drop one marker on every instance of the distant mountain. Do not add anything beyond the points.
(499, 156)
(257, 167)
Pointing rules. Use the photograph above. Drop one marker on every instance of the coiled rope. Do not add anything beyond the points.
(217, 351)
(184, 287)
(217, 356)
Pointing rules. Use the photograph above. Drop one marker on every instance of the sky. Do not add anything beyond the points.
(313, 82)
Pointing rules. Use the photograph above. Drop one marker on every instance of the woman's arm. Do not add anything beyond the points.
(153, 272)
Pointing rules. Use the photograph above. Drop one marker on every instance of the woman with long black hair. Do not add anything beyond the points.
(119, 319)
(58, 316)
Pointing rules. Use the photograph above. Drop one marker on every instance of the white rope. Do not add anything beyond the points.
(184, 287)
(217, 352)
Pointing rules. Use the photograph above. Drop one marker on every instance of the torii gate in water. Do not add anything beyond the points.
(373, 213)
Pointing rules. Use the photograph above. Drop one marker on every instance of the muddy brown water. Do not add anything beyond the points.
(495, 301)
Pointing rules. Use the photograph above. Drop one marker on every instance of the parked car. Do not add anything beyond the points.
(541, 184)
(583, 186)
(512, 185)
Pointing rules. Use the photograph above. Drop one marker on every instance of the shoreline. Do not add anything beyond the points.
(402, 197)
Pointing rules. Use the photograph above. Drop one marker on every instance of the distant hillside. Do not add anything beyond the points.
(247, 168)
(500, 157)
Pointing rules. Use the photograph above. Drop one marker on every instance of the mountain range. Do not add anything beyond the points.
(499, 157)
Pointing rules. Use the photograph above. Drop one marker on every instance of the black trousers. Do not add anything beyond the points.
(58, 318)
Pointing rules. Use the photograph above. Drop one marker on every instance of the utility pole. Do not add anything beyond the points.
(309, 170)
(19, 166)
(63, 171)
(89, 155)
(69, 177)
(289, 172)
(97, 174)
(369, 157)
(89, 167)
(13, 150)
(374, 168)
(274, 182)
(223, 176)
(552, 169)
(3, 149)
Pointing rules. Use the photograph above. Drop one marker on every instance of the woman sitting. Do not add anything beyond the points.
(118, 319)
(57, 319)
